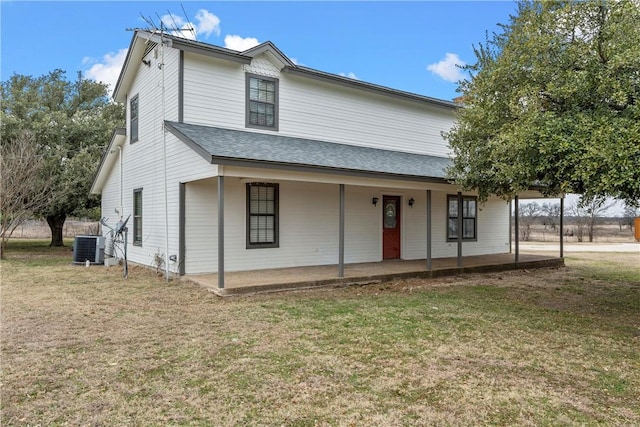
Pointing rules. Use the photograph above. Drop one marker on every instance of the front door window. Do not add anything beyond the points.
(390, 214)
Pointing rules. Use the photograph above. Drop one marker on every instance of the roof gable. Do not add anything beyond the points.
(108, 160)
(274, 54)
(142, 38)
(139, 47)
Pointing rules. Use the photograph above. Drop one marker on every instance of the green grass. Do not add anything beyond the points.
(38, 253)
(548, 347)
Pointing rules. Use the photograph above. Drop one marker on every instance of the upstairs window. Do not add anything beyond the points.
(262, 102)
(137, 217)
(262, 215)
(469, 217)
(133, 112)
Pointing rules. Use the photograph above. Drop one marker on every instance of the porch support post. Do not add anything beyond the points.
(562, 226)
(220, 232)
(429, 266)
(460, 224)
(341, 232)
(516, 214)
(510, 226)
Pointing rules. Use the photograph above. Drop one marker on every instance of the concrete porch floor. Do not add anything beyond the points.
(282, 279)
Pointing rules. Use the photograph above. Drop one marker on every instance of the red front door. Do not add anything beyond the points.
(390, 227)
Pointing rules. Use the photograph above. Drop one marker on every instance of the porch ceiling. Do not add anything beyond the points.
(242, 148)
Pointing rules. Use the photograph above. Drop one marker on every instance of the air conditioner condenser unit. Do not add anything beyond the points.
(89, 248)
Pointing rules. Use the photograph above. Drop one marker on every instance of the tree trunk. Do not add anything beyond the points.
(56, 222)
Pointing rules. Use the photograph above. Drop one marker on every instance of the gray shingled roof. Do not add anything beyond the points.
(226, 146)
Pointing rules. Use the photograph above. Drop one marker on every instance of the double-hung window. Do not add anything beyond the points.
(137, 216)
(133, 118)
(469, 217)
(262, 215)
(262, 102)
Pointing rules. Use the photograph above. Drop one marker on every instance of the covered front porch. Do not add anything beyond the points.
(298, 278)
(293, 213)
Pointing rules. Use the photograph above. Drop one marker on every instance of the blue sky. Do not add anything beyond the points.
(411, 46)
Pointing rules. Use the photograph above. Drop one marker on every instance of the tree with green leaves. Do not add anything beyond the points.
(553, 102)
(71, 122)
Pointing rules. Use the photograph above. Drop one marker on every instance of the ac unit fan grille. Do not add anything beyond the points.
(88, 248)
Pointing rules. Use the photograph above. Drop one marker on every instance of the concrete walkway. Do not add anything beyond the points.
(281, 279)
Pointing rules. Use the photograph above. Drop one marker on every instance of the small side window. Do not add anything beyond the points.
(137, 217)
(133, 112)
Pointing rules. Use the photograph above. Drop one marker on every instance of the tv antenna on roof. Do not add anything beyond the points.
(163, 27)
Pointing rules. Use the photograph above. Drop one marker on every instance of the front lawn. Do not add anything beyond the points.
(83, 346)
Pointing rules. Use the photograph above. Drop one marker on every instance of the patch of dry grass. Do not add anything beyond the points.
(82, 346)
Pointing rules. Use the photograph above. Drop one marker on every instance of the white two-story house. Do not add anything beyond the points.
(234, 161)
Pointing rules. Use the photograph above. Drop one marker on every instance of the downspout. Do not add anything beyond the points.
(460, 225)
(121, 183)
(561, 226)
(341, 234)
(164, 155)
(429, 266)
(517, 228)
(510, 203)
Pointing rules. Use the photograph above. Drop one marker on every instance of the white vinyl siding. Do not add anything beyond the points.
(317, 110)
(214, 95)
(309, 220)
(492, 229)
(201, 230)
(214, 92)
(142, 165)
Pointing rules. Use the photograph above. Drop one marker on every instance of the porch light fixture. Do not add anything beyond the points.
(374, 201)
(411, 202)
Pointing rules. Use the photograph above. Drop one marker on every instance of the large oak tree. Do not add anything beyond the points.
(70, 122)
(553, 101)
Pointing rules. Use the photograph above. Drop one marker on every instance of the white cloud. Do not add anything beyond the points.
(351, 75)
(238, 43)
(208, 23)
(296, 62)
(107, 69)
(448, 68)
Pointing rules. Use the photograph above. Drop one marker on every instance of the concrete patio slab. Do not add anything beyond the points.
(296, 278)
